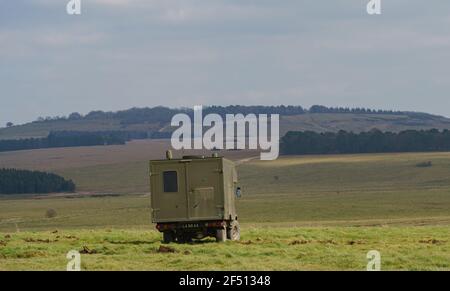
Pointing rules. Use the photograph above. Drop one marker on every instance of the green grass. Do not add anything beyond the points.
(347, 173)
(335, 248)
(124, 178)
(75, 213)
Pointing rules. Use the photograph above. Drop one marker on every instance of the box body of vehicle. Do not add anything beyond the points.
(193, 197)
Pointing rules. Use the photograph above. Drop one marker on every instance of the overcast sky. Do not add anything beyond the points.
(124, 53)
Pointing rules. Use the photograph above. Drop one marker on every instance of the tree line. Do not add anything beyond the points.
(13, 181)
(58, 139)
(374, 141)
(358, 110)
(64, 139)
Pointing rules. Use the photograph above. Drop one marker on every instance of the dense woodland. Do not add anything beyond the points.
(374, 141)
(67, 139)
(14, 181)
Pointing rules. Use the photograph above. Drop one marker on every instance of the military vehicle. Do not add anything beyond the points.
(194, 197)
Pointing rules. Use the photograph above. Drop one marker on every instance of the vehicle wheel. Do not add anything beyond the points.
(167, 237)
(221, 235)
(234, 231)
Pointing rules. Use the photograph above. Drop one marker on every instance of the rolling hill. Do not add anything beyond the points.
(292, 118)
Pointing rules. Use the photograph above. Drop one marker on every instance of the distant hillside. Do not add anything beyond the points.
(154, 121)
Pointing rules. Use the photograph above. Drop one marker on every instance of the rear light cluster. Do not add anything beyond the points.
(162, 227)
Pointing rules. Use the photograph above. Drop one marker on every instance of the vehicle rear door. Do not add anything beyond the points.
(169, 202)
(203, 180)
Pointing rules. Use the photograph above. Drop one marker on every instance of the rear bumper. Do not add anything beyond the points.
(193, 225)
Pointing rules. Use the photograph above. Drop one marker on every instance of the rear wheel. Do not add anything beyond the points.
(167, 237)
(234, 231)
(221, 235)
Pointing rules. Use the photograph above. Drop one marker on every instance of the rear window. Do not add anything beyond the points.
(170, 180)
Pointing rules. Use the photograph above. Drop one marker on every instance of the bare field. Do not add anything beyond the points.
(77, 157)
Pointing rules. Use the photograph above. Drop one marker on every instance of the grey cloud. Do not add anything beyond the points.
(120, 54)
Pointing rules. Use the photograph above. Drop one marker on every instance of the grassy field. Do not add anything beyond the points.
(310, 212)
(401, 248)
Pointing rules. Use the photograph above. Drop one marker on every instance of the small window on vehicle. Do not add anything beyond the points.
(170, 180)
